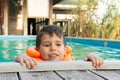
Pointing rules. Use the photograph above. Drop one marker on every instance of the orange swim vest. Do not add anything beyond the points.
(35, 53)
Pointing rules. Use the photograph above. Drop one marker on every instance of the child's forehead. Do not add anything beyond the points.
(46, 35)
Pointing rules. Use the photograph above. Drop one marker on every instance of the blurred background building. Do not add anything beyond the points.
(25, 17)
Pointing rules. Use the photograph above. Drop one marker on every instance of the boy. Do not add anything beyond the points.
(52, 45)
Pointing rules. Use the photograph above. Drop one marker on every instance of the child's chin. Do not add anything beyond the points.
(55, 60)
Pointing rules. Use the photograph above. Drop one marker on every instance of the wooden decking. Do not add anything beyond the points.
(76, 70)
(62, 75)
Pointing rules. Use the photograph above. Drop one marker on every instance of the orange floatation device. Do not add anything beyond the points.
(35, 53)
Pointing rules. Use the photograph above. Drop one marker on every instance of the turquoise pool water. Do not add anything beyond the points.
(10, 47)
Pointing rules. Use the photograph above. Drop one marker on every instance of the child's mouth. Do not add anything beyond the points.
(53, 55)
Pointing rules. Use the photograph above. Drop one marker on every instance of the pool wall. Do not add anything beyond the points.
(96, 42)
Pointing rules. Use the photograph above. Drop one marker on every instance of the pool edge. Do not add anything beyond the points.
(58, 65)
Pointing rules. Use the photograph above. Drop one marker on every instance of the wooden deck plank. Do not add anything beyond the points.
(108, 74)
(8, 76)
(78, 75)
(39, 76)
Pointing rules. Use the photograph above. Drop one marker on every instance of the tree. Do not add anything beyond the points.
(89, 24)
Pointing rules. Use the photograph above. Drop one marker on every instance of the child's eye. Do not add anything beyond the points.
(46, 45)
(58, 44)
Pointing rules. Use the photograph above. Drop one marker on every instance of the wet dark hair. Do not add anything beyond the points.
(50, 30)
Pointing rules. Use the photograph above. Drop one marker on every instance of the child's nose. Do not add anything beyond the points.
(53, 48)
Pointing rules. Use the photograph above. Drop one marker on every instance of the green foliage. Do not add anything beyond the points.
(55, 22)
(15, 7)
(85, 26)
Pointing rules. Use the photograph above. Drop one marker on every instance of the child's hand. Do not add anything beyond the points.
(28, 61)
(96, 60)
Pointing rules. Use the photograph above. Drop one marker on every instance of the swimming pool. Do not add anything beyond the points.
(11, 46)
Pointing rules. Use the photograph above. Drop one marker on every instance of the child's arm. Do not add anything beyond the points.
(96, 60)
(28, 61)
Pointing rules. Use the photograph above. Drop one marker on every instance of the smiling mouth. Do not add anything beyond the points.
(53, 55)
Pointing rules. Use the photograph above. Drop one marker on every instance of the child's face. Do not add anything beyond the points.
(52, 47)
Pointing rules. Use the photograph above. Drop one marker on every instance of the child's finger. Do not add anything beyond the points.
(27, 62)
(86, 58)
(32, 63)
(93, 62)
(35, 61)
(100, 62)
(21, 61)
(97, 63)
